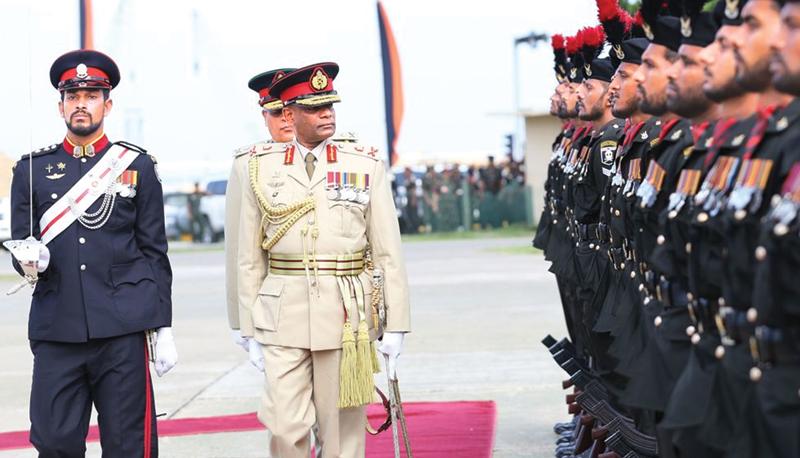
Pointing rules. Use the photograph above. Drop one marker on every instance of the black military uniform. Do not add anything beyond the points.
(108, 281)
(776, 296)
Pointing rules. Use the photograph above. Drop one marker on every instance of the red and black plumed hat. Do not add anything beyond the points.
(573, 46)
(560, 57)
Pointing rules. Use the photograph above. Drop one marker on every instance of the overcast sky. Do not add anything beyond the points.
(185, 66)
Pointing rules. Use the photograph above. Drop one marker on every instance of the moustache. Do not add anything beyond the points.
(80, 112)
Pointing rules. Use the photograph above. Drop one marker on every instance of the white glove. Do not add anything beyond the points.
(44, 258)
(32, 255)
(240, 340)
(391, 346)
(166, 353)
(256, 356)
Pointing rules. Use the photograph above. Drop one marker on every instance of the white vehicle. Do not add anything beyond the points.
(5, 219)
(212, 211)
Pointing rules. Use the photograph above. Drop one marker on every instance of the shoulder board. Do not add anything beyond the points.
(358, 149)
(251, 148)
(41, 151)
(131, 146)
(616, 130)
(349, 137)
(261, 149)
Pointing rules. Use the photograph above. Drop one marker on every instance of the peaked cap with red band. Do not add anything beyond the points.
(84, 69)
(261, 84)
(309, 86)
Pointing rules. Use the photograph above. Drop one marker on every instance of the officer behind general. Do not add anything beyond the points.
(108, 281)
(303, 280)
(280, 132)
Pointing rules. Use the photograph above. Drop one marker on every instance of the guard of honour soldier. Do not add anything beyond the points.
(314, 270)
(671, 223)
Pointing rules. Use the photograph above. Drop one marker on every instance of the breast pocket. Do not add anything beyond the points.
(123, 213)
(348, 218)
(267, 312)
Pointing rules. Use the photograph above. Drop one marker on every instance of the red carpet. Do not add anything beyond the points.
(464, 429)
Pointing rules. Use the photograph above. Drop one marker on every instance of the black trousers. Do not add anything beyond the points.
(114, 375)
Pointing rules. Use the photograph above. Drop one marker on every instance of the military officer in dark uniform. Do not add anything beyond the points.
(97, 207)
(775, 290)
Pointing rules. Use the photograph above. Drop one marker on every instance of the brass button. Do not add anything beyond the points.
(689, 297)
(721, 302)
(646, 300)
(83, 266)
(633, 274)
(661, 239)
(752, 315)
(688, 248)
(54, 196)
(81, 240)
(702, 217)
(761, 253)
(591, 246)
(780, 229)
(740, 214)
(641, 287)
(690, 330)
(616, 212)
(672, 214)
(658, 321)
(696, 339)
(621, 266)
(719, 352)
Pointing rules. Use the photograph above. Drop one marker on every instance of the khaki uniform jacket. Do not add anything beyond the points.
(281, 309)
(238, 182)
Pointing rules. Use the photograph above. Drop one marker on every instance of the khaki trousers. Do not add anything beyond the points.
(303, 389)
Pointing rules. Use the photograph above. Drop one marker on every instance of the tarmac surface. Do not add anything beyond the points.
(479, 309)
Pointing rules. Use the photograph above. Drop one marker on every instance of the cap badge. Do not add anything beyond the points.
(81, 71)
(319, 80)
(277, 76)
(731, 9)
(782, 123)
(686, 26)
(588, 69)
(648, 32)
(573, 73)
(618, 50)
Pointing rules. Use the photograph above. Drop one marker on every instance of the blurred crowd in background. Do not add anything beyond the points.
(454, 197)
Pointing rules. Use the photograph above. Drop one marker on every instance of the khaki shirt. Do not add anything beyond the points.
(282, 310)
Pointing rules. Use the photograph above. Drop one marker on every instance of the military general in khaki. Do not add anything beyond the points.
(319, 223)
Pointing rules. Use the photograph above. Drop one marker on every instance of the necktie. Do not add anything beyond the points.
(310, 160)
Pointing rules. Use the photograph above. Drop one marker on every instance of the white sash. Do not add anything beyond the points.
(85, 192)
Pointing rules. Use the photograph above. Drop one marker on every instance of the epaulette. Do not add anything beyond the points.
(358, 149)
(41, 151)
(131, 146)
(252, 148)
(268, 148)
(347, 137)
